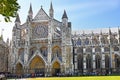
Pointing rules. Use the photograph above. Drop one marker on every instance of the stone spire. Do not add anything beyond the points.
(110, 31)
(17, 19)
(118, 30)
(1, 37)
(30, 9)
(101, 32)
(30, 13)
(64, 15)
(51, 11)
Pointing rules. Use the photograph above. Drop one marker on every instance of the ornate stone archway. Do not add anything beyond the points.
(55, 68)
(56, 52)
(37, 65)
(19, 68)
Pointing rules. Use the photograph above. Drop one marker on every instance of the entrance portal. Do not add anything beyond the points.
(37, 65)
(56, 69)
(19, 68)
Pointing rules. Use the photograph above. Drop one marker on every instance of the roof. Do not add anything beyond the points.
(17, 18)
(64, 15)
(30, 9)
(41, 15)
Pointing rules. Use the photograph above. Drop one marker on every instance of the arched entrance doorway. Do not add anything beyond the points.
(19, 68)
(37, 65)
(56, 68)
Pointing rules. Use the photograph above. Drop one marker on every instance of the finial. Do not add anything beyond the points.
(110, 31)
(51, 6)
(64, 15)
(30, 9)
(17, 18)
(1, 37)
(101, 31)
(41, 6)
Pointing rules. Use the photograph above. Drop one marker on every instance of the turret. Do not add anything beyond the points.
(17, 21)
(16, 28)
(110, 33)
(64, 15)
(1, 37)
(30, 13)
(65, 19)
(110, 37)
(51, 11)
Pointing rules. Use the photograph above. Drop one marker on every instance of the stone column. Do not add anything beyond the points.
(84, 60)
(102, 59)
(113, 61)
(75, 61)
(49, 58)
(93, 60)
(111, 65)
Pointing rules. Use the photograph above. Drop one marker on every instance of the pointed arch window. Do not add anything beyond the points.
(98, 61)
(107, 61)
(21, 54)
(88, 61)
(117, 61)
(79, 41)
(80, 62)
(86, 41)
(32, 51)
(56, 52)
(44, 51)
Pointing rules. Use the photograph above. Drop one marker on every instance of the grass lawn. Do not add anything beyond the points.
(75, 78)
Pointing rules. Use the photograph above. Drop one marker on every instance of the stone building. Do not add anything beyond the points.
(4, 54)
(97, 52)
(42, 44)
(47, 46)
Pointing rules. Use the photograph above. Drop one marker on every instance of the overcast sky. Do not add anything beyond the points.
(84, 14)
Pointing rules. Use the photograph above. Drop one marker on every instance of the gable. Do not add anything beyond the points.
(41, 15)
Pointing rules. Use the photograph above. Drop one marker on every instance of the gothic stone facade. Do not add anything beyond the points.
(97, 52)
(42, 44)
(45, 45)
(4, 54)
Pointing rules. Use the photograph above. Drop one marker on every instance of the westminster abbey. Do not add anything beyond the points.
(47, 46)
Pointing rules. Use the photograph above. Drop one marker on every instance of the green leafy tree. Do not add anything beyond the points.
(8, 9)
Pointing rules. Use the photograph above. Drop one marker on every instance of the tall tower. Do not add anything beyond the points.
(30, 13)
(51, 11)
(66, 44)
(17, 25)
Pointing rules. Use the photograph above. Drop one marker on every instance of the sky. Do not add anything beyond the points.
(84, 14)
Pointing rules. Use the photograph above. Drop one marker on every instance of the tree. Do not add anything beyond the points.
(8, 9)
